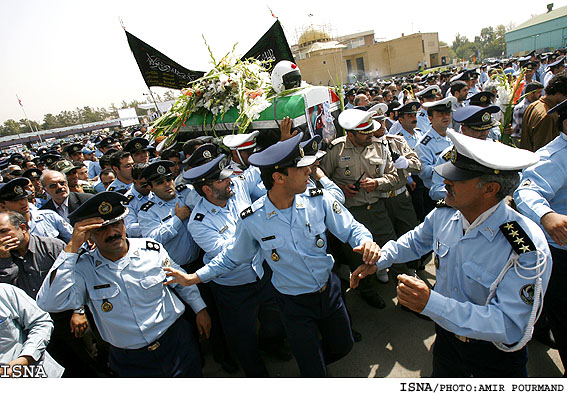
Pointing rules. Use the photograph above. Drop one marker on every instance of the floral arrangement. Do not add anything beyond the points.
(509, 94)
(232, 82)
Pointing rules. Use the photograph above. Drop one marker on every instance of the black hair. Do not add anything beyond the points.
(106, 171)
(457, 85)
(116, 157)
(137, 169)
(169, 153)
(557, 84)
(533, 86)
(266, 175)
(190, 146)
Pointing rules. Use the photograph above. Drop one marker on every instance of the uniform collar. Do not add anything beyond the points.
(119, 265)
(161, 202)
(212, 208)
(272, 211)
(436, 135)
(488, 226)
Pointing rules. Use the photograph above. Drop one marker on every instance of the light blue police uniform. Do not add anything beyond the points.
(412, 140)
(47, 223)
(135, 202)
(142, 308)
(99, 187)
(329, 186)
(395, 128)
(542, 189)
(94, 169)
(158, 221)
(428, 150)
(118, 186)
(437, 190)
(467, 265)
(423, 122)
(213, 228)
(289, 242)
(494, 134)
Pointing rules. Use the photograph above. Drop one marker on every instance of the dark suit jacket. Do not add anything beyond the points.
(75, 200)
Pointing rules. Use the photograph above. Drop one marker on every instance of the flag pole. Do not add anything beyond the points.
(27, 120)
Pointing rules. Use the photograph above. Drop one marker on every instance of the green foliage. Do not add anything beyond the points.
(490, 43)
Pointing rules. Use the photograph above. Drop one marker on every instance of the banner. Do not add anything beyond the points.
(272, 45)
(157, 69)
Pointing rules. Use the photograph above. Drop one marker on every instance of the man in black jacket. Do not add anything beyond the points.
(62, 200)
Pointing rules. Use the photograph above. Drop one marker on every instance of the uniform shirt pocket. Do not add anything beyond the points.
(477, 282)
(153, 277)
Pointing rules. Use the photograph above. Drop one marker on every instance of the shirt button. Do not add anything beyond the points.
(127, 287)
(455, 289)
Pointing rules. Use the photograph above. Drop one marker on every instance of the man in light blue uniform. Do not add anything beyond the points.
(121, 163)
(485, 99)
(121, 281)
(14, 197)
(242, 295)
(164, 217)
(542, 197)
(476, 122)
(407, 118)
(426, 95)
(492, 265)
(287, 227)
(137, 196)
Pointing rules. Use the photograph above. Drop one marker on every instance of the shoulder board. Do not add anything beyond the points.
(447, 155)
(517, 237)
(441, 204)
(111, 189)
(247, 212)
(417, 129)
(180, 188)
(315, 192)
(241, 176)
(396, 137)
(401, 134)
(199, 217)
(130, 198)
(425, 140)
(147, 206)
(337, 141)
(151, 245)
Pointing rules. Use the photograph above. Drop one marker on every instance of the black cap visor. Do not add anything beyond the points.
(453, 173)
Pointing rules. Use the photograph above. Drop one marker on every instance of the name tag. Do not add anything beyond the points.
(269, 238)
(345, 158)
(165, 218)
(105, 286)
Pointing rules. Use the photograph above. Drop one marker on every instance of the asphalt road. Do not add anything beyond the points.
(395, 344)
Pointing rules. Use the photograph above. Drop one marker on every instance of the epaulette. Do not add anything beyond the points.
(247, 212)
(395, 137)
(130, 198)
(151, 245)
(147, 206)
(111, 189)
(447, 156)
(180, 188)
(441, 204)
(517, 237)
(337, 141)
(199, 217)
(401, 134)
(425, 140)
(241, 176)
(315, 192)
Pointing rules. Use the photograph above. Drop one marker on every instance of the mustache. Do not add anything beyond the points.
(112, 238)
(450, 190)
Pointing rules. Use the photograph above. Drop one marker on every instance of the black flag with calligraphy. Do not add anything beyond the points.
(157, 69)
(273, 45)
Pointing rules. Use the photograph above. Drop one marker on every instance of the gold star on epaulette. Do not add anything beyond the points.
(525, 248)
(519, 241)
(514, 233)
(509, 226)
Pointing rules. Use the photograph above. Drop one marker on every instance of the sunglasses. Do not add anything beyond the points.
(55, 184)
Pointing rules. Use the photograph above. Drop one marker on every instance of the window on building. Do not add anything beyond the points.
(349, 66)
(360, 64)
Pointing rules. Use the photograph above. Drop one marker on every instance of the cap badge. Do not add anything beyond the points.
(301, 153)
(161, 170)
(379, 112)
(413, 108)
(314, 146)
(486, 117)
(453, 155)
(104, 208)
(483, 99)
(18, 190)
(222, 165)
(138, 145)
(434, 91)
(207, 154)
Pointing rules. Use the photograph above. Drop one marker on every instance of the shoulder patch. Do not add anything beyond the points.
(247, 212)
(425, 140)
(151, 245)
(315, 192)
(147, 206)
(199, 217)
(447, 155)
(517, 237)
(130, 198)
(441, 204)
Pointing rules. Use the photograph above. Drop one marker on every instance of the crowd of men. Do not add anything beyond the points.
(140, 255)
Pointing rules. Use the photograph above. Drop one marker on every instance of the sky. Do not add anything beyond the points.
(59, 55)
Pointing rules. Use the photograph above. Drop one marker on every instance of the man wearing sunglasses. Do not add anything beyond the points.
(61, 199)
